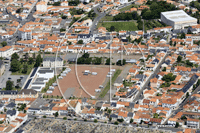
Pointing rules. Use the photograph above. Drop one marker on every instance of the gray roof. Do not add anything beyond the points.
(52, 59)
(98, 112)
(11, 112)
(27, 91)
(113, 104)
(8, 92)
(114, 116)
(1, 63)
(130, 114)
(99, 104)
(11, 105)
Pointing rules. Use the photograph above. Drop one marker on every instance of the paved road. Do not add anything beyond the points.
(97, 19)
(180, 108)
(148, 81)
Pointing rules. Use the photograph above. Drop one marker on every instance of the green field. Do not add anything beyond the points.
(128, 26)
(105, 90)
(128, 7)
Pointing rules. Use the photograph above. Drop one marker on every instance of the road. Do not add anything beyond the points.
(97, 19)
(11, 40)
(180, 108)
(148, 81)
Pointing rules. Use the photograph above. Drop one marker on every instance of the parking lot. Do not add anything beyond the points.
(7, 76)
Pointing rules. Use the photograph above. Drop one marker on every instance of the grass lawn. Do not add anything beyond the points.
(107, 18)
(105, 90)
(128, 7)
(30, 67)
(128, 26)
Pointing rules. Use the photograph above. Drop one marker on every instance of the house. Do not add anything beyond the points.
(53, 62)
(41, 6)
(8, 94)
(10, 106)
(6, 51)
(192, 123)
(27, 93)
(11, 115)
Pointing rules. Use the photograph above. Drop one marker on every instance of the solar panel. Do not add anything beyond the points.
(27, 84)
(34, 71)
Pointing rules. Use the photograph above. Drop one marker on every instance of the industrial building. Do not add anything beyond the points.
(178, 19)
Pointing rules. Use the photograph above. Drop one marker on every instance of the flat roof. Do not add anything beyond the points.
(177, 16)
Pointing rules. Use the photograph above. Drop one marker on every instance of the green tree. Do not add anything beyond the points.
(15, 56)
(80, 42)
(14, 66)
(112, 28)
(30, 60)
(9, 85)
(4, 43)
(25, 68)
(108, 61)
(119, 62)
(110, 118)
(26, 57)
(38, 61)
(182, 35)
(86, 55)
(44, 116)
(56, 114)
(164, 69)
(131, 120)
(169, 77)
(64, 118)
(177, 125)
(95, 121)
(116, 123)
(179, 58)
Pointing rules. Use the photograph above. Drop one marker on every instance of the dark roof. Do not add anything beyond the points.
(114, 116)
(11, 105)
(33, 109)
(27, 91)
(19, 131)
(45, 71)
(84, 36)
(113, 104)
(155, 61)
(130, 114)
(11, 112)
(99, 104)
(98, 112)
(84, 100)
(190, 83)
(131, 105)
(27, 84)
(8, 92)
(34, 71)
(52, 59)
(140, 76)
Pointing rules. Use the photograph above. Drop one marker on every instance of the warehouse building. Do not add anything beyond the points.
(178, 19)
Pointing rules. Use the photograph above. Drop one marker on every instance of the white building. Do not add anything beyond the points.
(52, 62)
(178, 19)
(41, 6)
(123, 1)
(6, 51)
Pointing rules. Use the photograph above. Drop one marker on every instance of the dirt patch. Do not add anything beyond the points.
(89, 82)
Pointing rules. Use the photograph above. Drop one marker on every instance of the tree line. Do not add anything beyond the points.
(16, 62)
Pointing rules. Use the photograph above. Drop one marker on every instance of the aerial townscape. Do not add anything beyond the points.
(99, 66)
